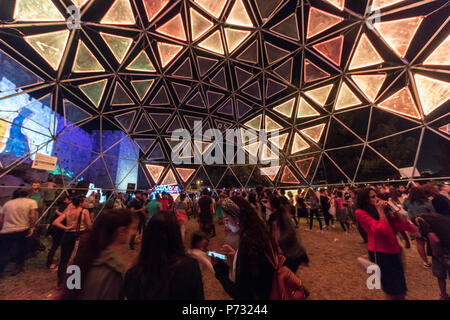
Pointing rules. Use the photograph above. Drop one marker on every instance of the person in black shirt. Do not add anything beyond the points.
(56, 233)
(205, 217)
(137, 207)
(325, 205)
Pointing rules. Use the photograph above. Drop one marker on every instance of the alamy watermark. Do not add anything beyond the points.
(374, 280)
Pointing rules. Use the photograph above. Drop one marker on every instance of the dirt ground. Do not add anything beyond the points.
(332, 274)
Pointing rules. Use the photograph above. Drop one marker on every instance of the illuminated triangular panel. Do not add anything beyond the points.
(85, 61)
(365, 55)
(167, 52)
(288, 176)
(238, 15)
(199, 24)
(213, 43)
(432, 93)
(370, 84)
(185, 173)
(155, 171)
(274, 53)
(120, 96)
(287, 27)
(202, 146)
(379, 4)
(314, 133)
(36, 10)
(281, 140)
(299, 144)
(320, 95)
(94, 91)
(235, 38)
(119, 13)
(119, 45)
(213, 7)
(401, 102)
(169, 179)
(253, 148)
(441, 55)
(153, 7)
(50, 46)
(346, 98)
(286, 108)
(445, 129)
(305, 110)
(267, 154)
(142, 87)
(304, 166)
(255, 123)
(141, 63)
(331, 49)
(270, 172)
(174, 28)
(313, 72)
(79, 3)
(161, 97)
(398, 34)
(272, 125)
(340, 4)
(320, 21)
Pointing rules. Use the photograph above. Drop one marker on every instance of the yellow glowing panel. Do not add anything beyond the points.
(314, 133)
(398, 34)
(199, 24)
(286, 108)
(170, 179)
(305, 110)
(50, 46)
(142, 87)
(185, 173)
(119, 13)
(79, 3)
(320, 95)
(36, 10)
(155, 171)
(235, 38)
(119, 45)
(270, 172)
(288, 176)
(320, 21)
(378, 4)
(167, 52)
(94, 91)
(85, 61)
(239, 15)
(340, 4)
(213, 7)
(141, 63)
(401, 102)
(365, 55)
(304, 166)
(370, 84)
(271, 125)
(173, 28)
(331, 49)
(281, 140)
(153, 7)
(213, 43)
(432, 93)
(441, 55)
(299, 144)
(346, 98)
(252, 148)
(255, 123)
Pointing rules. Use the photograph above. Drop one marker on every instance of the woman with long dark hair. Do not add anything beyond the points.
(252, 271)
(101, 264)
(163, 270)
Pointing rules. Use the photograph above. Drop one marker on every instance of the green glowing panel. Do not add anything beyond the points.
(36, 10)
(85, 61)
(119, 45)
(142, 87)
(119, 13)
(94, 91)
(255, 123)
(271, 125)
(141, 63)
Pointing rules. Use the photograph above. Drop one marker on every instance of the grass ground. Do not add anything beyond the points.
(332, 274)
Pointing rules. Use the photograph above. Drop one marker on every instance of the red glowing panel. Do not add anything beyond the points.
(331, 49)
(288, 176)
(304, 166)
(153, 7)
(173, 28)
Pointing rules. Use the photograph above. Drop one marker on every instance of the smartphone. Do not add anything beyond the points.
(217, 255)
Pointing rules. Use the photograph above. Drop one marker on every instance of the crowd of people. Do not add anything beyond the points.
(260, 225)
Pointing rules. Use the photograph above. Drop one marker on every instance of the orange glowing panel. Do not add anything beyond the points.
(155, 171)
(199, 24)
(340, 4)
(153, 7)
(299, 144)
(365, 55)
(346, 98)
(286, 108)
(320, 95)
(238, 15)
(331, 49)
(36, 10)
(173, 28)
(167, 52)
(169, 179)
(370, 84)
(304, 166)
(445, 129)
(213, 7)
(398, 34)
(119, 13)
(314, 133)
(79, 3)
(320, 21)
(185, 173)
(305, 110)
(288, 176)
(270, 172)
(235, 38)
(441, 55)
(401, 102)
(85, 61)
(379, 4)
(50, 46)
(279, 141)
(432, 93)
(313, 72)
(213, 43)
